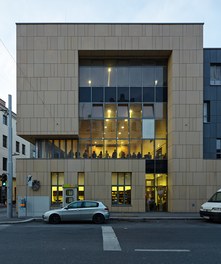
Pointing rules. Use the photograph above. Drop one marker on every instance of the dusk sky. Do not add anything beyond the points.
(112, 11)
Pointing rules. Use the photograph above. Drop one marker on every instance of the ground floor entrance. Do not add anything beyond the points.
(156, 192)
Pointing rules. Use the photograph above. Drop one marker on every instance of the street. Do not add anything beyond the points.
(115, 242)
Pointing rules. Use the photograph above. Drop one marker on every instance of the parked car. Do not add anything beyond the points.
(211, 210)
(94, 211)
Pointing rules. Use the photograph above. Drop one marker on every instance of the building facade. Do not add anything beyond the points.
(20, 149)
(115, 110)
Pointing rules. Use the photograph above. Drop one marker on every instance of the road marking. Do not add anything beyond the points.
(110, 241)
(162, 250)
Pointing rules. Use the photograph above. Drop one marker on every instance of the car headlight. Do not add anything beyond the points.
(217, 209)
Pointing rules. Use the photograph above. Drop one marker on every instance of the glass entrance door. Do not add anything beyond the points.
(156, 192)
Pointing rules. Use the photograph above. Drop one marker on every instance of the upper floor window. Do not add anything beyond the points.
(23, 149)
(206, 111)
(4, 164)
(17, 147)
(215, 74)
(5, 120)
(218, 148)
(4, 141)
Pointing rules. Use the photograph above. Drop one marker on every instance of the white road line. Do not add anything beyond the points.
(110, 241)
(162, 250)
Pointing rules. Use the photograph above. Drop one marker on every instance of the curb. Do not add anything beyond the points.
(114, 218)
(20, 221)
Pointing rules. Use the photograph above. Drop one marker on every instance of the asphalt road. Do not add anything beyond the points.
(116, 242)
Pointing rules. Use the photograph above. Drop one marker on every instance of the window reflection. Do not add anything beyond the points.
(110, 111)
(148, 128)
(135, 128)
(122, 129)
(135, 111)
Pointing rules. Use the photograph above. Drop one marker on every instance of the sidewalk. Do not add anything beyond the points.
(113, 216)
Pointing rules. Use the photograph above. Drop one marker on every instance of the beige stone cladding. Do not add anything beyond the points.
(98, 178)
(47, 99)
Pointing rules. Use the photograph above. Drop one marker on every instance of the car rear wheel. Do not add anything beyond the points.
(54, 219)
(98, 219)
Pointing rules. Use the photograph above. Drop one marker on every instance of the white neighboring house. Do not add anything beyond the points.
(20, 148)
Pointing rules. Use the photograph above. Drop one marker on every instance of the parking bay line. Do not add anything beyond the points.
(110, 241)
(162, 250)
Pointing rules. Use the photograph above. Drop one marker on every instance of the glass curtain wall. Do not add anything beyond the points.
(123, 109)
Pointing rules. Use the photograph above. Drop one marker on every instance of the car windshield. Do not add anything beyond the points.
(216, 198)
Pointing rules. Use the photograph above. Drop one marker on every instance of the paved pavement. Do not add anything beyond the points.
(114, 216)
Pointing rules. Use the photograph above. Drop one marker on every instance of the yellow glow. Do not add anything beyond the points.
(81, 188)
(109, 69)
(122, 127)
(109, 111)
(125, 120)
(114, 189)
(107, 120)
(89, 82)
(119, 133)
(105, 127)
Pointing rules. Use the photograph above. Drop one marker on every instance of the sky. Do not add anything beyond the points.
(97, 11)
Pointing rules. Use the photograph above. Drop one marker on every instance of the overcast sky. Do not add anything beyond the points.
(131, 11)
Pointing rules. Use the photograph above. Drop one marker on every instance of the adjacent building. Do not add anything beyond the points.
(20, 149)
(117, 111)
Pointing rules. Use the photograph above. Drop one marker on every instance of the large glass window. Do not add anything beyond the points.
(57, 181)
(127, 109)
(121, 188)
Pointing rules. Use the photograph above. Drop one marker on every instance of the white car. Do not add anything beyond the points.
(211, 210)
(79, 211)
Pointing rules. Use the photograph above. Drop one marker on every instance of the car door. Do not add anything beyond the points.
(72, 212)
(89, 207)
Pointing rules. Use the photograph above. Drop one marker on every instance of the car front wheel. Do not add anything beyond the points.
(54, 219)
(98, 219)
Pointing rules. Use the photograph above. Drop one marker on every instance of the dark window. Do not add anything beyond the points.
(4, 165)
(110, 94)
(135, 94)
(161, 94)
(206, 111)
(85, 94)
(17, 147)
(218, 148)
(123, 94)
(5, 120)
(4, 141)
(216, 198)
(23, 149)
(148, 94)
(97, 94)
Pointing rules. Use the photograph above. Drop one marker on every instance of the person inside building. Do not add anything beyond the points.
(94, 155)
(114, 154)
